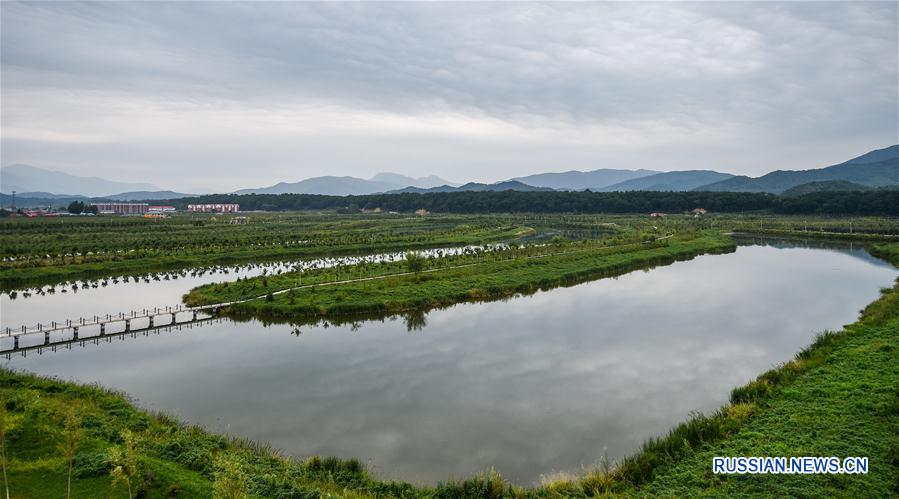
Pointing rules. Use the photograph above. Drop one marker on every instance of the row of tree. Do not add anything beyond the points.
(882, 202)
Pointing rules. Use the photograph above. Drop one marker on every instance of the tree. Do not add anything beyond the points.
(126, 463)
(414, 262)
(71, 437)
(76, 207)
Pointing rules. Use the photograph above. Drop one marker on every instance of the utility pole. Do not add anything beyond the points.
(13, 201)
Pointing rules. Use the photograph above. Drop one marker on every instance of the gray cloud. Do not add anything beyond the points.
(227, 95)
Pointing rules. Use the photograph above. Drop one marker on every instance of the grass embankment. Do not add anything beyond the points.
(799, 234)
(167, 459)
(494, 276)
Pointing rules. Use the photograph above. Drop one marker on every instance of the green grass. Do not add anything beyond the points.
(503, 274)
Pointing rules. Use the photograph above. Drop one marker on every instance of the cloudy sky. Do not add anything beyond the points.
(217, 96)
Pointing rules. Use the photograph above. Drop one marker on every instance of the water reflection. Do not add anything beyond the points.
(530, 385)
(113, 295)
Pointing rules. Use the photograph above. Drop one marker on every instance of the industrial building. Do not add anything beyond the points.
(214, 208)
(121, 208)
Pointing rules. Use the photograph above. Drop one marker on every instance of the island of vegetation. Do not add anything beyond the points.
(419, 283)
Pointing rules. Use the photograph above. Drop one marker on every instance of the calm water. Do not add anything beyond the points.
(529, 385)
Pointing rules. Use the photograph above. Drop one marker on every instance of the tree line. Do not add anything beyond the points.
(881, 202)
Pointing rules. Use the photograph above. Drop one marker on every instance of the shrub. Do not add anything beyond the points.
(88, 464)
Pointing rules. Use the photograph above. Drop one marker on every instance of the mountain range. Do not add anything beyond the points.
(344, 186)
(875, 169)
(686, 180)
(25, 178)
(507, 185)
(878, 168)
(578, 181)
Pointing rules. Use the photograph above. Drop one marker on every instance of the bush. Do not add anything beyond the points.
(88, 464)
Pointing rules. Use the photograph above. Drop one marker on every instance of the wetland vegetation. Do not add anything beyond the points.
(420, 284)
(49, 250)
(836, 397)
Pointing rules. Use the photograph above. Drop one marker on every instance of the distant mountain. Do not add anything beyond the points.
(25, 178)
(670, 181)
(508, 185)
(419, 190)
(825, 186)
(335, 186)
(406, 181)
(878, 168)
(344, 186)
(876, 156)
(46, 195)
(147, 195)
(38, 200)
(577, 180)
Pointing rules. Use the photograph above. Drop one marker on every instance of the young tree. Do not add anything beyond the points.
(72, 435)
(414, 262)
(126, 463)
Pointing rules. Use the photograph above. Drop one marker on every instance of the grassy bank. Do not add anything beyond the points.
(465, 279)
(838, 397)
(826, 236)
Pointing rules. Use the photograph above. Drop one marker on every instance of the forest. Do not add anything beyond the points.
(879, 202)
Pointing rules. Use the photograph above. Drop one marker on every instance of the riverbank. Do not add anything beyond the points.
(383, 289)
(838, 397)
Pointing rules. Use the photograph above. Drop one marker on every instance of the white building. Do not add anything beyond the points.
(214, 208)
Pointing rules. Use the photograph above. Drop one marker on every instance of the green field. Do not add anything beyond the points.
(48, 251)
(42, 251)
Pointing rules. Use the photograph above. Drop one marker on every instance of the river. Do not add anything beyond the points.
(529, 385)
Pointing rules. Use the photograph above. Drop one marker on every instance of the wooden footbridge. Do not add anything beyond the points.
(101, 325)
(68, 341)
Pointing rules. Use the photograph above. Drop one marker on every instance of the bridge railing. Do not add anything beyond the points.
(43, 327)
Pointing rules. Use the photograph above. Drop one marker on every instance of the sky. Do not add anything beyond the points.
(206, 96)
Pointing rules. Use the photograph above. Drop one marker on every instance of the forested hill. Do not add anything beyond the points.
(875, 169)
(878, 202)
